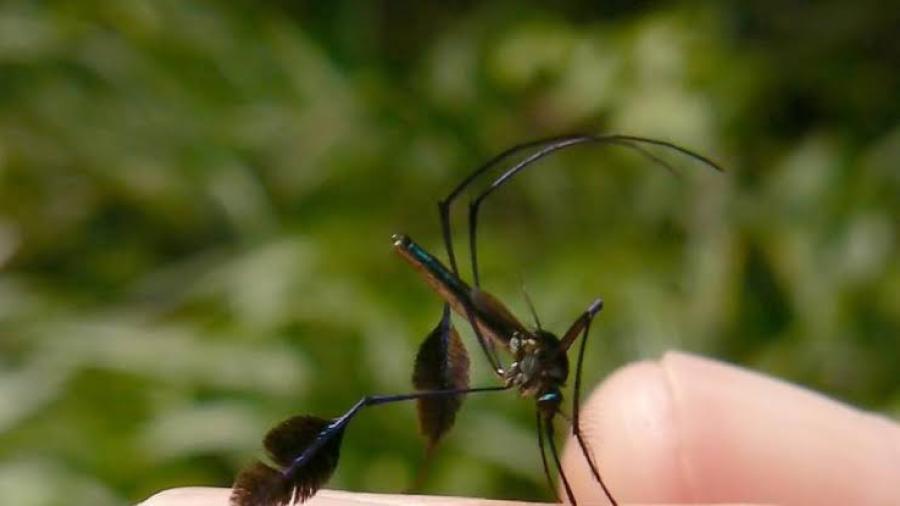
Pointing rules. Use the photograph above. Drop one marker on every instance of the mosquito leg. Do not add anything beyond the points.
(548, 427)
(540, 435)
(548, 146)
(582, 326)
(629, 141)
(339, 423)
(446, 229)
(545, 148)
(585, 450)
(487, 346)
(444, 205)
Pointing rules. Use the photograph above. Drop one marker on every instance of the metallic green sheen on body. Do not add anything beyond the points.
(432, 265)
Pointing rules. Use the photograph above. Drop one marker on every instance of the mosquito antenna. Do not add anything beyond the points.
(530, 303)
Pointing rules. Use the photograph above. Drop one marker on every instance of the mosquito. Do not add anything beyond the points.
(304, 450)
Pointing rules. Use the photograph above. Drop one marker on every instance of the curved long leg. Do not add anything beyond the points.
(335, 427)
(540, 435)
(547, 146)
(548, 427)
(445, 204)
(582, 326)
(446, 230)
(628, 141)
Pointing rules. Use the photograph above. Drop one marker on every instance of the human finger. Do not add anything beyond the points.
(205, 496)
(688, 429)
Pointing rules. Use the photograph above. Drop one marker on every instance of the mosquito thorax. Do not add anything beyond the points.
(540, 365)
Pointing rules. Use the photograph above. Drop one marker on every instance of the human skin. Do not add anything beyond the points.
(690, 430)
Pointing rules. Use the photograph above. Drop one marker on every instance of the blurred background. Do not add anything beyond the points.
(197, 199)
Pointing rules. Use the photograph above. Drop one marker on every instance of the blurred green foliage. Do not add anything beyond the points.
(196, 201)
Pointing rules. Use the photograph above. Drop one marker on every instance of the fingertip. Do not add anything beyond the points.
(629, 425)
(208, 496)
(189, 496)
(689, 429)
